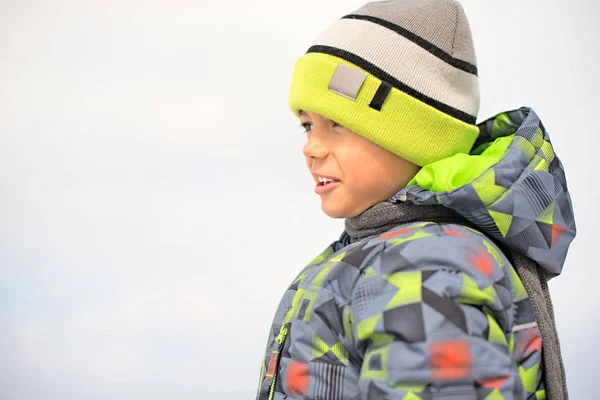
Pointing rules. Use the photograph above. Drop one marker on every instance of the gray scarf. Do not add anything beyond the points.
(385, 215)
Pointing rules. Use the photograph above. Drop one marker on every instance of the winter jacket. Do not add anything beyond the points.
(433, 309)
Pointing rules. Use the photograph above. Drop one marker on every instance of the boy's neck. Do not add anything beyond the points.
(384, 216)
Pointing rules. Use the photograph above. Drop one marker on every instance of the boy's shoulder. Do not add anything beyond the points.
(415, 249)
(427, 245)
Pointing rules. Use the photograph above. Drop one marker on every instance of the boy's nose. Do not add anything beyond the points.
(315, 147)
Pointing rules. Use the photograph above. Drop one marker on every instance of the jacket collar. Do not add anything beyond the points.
(385, 215)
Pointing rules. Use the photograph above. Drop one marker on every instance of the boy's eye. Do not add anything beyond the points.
(307, 126)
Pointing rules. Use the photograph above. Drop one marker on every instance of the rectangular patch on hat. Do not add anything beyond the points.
(346, 81)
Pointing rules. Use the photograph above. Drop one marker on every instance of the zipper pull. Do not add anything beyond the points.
(282, 334)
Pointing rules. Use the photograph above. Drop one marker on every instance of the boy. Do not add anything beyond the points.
(437, 287)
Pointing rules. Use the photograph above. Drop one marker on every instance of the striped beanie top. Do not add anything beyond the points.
(401, 73)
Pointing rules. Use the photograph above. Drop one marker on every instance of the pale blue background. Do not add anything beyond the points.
(154, 201)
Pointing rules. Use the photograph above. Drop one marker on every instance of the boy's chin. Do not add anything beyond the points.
(338, 210)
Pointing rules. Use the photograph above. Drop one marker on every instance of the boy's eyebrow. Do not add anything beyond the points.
(301, 113)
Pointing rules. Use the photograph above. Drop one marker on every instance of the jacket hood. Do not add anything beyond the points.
(511, 186)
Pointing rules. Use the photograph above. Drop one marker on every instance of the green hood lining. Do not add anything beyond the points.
(460, 169)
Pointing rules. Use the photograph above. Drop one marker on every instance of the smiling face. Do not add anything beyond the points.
(363, 173)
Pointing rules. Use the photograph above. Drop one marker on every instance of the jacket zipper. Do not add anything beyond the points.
(280, 339)
(282, 336)
(283, 331)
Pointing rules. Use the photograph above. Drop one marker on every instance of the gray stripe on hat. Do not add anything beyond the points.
(440, 22)
(430, 47)
(406, 61)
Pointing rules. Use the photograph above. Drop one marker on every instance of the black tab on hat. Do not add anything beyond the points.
(382, 92)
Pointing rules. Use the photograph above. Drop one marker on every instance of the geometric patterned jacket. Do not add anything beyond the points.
(431, 310)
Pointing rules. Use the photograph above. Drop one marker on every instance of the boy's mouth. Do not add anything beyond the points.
(326, 181)
(324, 184)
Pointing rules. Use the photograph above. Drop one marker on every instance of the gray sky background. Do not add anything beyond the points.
(154, 201)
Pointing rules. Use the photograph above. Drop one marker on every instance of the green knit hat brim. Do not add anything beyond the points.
(404, 125)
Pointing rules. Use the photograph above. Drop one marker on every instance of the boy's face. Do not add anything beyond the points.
(364, 173)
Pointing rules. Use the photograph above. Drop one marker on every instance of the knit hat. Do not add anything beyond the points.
(401, 73)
